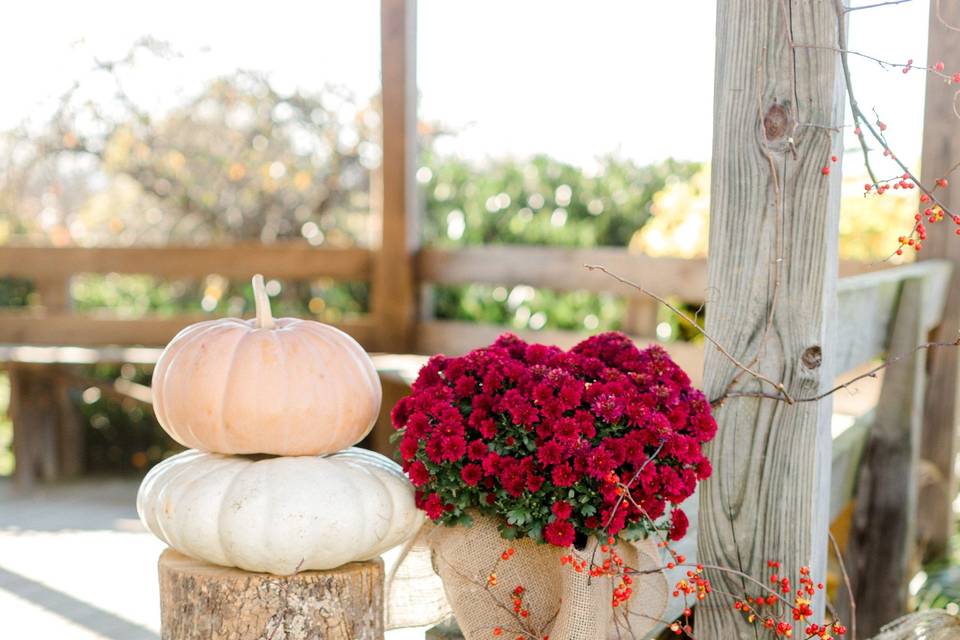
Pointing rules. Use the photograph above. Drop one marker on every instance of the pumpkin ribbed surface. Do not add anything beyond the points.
(279, 515)
(294, 388)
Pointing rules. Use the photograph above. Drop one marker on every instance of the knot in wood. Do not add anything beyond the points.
(775, 122)
(812, 357)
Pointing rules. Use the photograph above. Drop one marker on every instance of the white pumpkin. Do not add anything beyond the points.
(279, 515)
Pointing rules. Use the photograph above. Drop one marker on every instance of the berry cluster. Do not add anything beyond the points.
(559, 445)
(931, 209)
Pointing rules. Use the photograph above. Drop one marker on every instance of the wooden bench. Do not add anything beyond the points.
(48, 436)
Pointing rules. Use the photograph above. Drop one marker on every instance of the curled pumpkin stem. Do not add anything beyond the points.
(262, 302)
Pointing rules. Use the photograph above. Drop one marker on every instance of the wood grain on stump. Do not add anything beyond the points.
(200, 601)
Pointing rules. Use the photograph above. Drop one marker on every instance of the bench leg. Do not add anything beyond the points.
(70, 441)
(47, 434)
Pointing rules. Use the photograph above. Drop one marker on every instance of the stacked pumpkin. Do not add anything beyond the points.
(270, 409)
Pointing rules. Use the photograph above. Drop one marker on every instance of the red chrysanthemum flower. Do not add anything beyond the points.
(518, 426)
(561, 509)
(418, 474)
(471, 474)
(560, 533)
(678, 524)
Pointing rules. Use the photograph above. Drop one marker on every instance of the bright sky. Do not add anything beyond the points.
(572, 78)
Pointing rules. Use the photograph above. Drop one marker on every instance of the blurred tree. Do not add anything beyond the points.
(540, 200)
(679, 223)
(239, 161)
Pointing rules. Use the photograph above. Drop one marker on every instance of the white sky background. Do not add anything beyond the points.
(571, 78)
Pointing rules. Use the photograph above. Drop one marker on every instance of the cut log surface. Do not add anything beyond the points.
(200, 601)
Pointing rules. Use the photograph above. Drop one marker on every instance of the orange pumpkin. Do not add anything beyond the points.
(283, 387)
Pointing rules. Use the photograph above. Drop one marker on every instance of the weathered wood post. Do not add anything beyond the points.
(48, 437)
(879, 554)
(200, 601)
(941, 151)
(772, 276)
(394, 283)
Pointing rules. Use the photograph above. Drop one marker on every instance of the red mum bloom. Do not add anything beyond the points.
(454, 448)
(418, 473)
(608, 407)
(534, 482)
(678, 524)
(549, 453)
(559, 533)
(471, 474)
(562, 475)
(511, 477)
(566, 429)
(488, 429)
(418, 425)
(477, 449)
(562, 509)
(570, 393)
(433, 506)
(408, 447)
(435, 450)
(401, 412)
(465, 386)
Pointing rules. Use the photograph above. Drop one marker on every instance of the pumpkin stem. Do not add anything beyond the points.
(262, 301)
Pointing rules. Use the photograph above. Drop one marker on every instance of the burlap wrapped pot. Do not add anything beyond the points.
(561, 603)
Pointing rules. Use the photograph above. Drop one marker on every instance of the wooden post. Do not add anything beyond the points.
(71, 441)
(36, 418)
(48, 437)
(394, 284)
(48, 434)
(879, 553)
(640, 317)
(941, 151)
(200, 601)
(772, 273)
(54, 293)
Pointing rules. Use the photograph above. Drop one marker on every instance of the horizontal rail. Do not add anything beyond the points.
(867, 305)
(549, 267)
(37, 328)
(294, 261)
(563, 269)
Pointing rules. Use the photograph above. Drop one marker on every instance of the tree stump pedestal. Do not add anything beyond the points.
(201, 601)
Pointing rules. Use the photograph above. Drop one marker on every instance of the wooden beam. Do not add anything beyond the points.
(394, 296)
(291, 261)
(879, 554)
(941, 151)
(868, 305)
(88, 330)
(31, 354)
(562, 268)
(773, 219)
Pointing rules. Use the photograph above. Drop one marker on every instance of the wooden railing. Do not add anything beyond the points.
(53, 322)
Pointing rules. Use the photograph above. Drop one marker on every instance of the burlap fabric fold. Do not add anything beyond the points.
(479, 587)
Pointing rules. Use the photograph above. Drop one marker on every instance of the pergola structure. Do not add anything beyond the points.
(776, 295)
